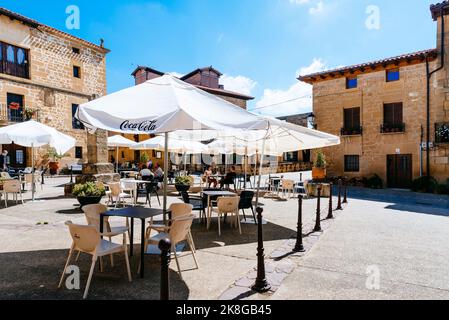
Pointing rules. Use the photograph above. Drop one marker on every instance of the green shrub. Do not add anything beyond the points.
(88, 189)
(425, 184)
(320, 161)
(375, 182)
(144, 158)
(182, 180)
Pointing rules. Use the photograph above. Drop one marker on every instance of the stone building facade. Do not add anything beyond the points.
(46, 73)
(380, 111)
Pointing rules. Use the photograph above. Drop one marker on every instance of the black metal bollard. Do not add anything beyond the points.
(318, 211)
(299, 247)
(261, 284)
(71, 174)
(330, 214)
(42, 177)
(339, 207)
(165, 246)
(345, 198)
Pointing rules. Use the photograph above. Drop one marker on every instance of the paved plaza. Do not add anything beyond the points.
(393, 236)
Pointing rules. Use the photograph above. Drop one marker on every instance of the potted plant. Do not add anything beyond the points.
(2, 180)
(319, 168)
(54, 165)
(182, 184)
(144, 158)
(28, 113)
(88, 193)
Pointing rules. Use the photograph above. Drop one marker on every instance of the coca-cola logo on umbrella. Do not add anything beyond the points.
(144, 126)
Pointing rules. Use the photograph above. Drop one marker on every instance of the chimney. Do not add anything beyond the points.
(143, 74)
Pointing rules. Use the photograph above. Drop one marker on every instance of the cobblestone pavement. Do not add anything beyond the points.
(403, 238)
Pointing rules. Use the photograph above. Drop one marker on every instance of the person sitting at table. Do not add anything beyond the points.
(211, 181)
(145, 172)
(158, 173)
(229, 178)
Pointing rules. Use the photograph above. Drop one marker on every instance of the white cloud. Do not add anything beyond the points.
(293, 100)
(240, 84)
(319, 8)
(315, 6)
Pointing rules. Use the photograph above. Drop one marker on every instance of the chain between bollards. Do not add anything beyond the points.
(261, 285)
(299, 247)
(330, 214)
(318, 210)
(165, 246)
(339, 207)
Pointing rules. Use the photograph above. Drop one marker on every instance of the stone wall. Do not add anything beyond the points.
(331, 98)
(52, 88)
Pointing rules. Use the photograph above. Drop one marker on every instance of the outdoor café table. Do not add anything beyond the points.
(135, 213)
(217, 193)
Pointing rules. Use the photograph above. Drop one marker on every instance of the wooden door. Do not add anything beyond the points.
(16, 156)
(399, 171)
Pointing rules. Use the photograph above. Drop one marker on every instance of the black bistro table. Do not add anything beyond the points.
(136, 213)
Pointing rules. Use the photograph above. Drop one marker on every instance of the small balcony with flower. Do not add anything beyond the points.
(442, 133)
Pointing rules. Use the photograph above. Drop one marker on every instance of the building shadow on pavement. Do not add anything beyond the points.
(35, 275)
(403, 200)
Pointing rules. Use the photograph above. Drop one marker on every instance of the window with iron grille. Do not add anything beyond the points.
(442, 132)
(14, 60)
(352, 163)
(76, 124)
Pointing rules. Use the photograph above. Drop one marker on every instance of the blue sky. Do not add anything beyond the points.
(260, 45)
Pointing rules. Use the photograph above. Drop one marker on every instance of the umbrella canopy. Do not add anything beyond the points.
(35, 134)
(162, 105)
(119, 141)
(174, 145)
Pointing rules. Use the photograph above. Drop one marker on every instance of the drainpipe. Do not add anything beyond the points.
(429, 77)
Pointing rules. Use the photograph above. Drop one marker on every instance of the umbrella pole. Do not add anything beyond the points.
(33, 187)
(165, 176)
(116, 162)
(260, 171)
(185, 163)
(246, 166)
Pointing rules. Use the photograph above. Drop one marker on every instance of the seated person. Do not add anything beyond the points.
(229, 178)
(145, 172)
(159, 173)
(211, 181)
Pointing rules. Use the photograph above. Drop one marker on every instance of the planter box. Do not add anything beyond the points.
(318, 173)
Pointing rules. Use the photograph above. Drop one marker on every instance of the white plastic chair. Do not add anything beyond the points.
(177, 232)
(228, 206)
(287, 186)
(92, 213)
(87, 239)
(14, 187)
(116, 195)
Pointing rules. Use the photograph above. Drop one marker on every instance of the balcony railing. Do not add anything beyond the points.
(8, 115)
(354, 131)
(392, 128)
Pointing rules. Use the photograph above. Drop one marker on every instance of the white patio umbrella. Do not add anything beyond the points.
(34, 134)
(167, 104)
(117, 142)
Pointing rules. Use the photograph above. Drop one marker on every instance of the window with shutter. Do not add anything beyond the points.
(351, 122)
(393, 118)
